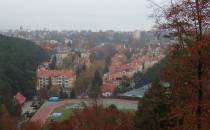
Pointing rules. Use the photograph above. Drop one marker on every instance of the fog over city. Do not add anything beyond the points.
(76, 14)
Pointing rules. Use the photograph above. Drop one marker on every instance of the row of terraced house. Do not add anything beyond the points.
(118, 69)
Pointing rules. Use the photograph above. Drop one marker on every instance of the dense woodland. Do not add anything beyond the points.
(18, 62)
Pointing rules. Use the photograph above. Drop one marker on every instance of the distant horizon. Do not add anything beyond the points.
(95, 15)
(60, 30)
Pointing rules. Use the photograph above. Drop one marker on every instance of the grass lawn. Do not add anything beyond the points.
(66, 113)
(123, 106)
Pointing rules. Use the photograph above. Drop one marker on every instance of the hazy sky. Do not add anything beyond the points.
(76, 14)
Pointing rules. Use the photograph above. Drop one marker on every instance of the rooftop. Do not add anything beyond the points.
(54, 73)
(139, 92)
(19, 99)
(108, 87)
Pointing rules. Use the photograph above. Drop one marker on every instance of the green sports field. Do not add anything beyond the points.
(120, 104)
(64, 110)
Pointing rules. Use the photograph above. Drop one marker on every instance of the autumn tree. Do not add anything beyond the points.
(95, 89)
(184, 19)
(188, 73)
(188, 64)
(32, 126)
(69, 61)
(43, 93)
(92, 57)
(84, 80)
(53, 62)
(7, 122)
(55, 90)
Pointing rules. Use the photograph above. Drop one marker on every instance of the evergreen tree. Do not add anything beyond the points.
(152, 108)
(19, 59)
(95, 90)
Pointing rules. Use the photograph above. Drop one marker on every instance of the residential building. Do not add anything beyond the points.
(63, 78)
(139, 62)
(108, 89)
(19, 99)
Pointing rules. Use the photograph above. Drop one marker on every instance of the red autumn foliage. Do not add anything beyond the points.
(32, 126)
(7, 122)
(188, 65)
(188, 73)
(96, 118)
(185, 18)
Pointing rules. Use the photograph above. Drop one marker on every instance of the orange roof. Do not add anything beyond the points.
(108, 87)
(19, 99)
(54, 73)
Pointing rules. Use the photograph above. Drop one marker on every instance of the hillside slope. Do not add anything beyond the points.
(18, 61)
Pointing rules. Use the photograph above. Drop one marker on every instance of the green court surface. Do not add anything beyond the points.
(121, 105)
(65, 110)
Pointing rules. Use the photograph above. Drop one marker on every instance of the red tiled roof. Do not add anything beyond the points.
(19, 99)
(108, 87)
(117, 68)
(54, 73)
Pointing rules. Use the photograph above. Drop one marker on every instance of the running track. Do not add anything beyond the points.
(43, 113)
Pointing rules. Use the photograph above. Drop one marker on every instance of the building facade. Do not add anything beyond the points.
(63, 78)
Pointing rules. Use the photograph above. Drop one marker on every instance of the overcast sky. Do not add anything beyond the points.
(76, 14)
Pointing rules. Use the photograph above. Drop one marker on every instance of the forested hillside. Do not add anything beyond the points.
(18, 61)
